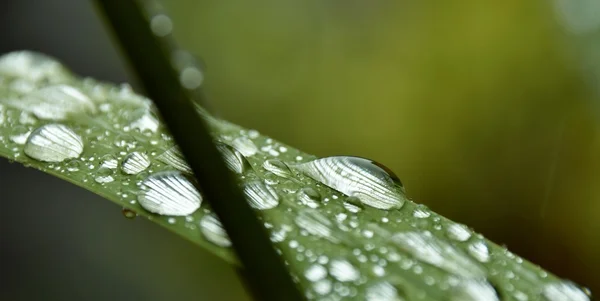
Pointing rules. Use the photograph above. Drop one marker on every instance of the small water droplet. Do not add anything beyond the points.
(233, 159)
(362, 178)
(245, 146)
(213, 230)
(169, 193)
(20, 134)
(261, 196)
(309, 197)
(458, 232)
(174, 157)
(480, 251)
(55, 103)
(135, 163)
(432, 250)
(191, 77)
(382, 291)
(421, 213)
(128, 213)
(322, 287)
(53, 143)
(277, 167)
(563, 291)
(315, 272)
(315, 223)
(161, 25)
(145, 122)
(109, 162)
(32, 66)
(343, 271)
(474, 290)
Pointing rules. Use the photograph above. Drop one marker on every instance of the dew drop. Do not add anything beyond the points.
(135, 163)
(309, 197)
(20, 135)
(480, 251)
(146, 122)
(315, 272)
(32, 66)
(55, 103)
(315, 223)
(382, 291)
(169, 193)
(128, 213)
(322, 287)
(213, 230)
(161, 25)
(474, 290)
(261, 196)
(53, 143)
(109, 162)
(343, 271)
(358, 177)
(278, 168)
(420, 213)
(233, 159)
(458, 232)
(431, 250)
(353, 204)
(191, 77)
(174, 158)
(245, 146)
(563, 291)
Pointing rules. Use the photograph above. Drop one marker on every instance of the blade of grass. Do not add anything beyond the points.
(147, 43)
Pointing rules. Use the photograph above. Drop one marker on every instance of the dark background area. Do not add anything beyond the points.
(488, 114)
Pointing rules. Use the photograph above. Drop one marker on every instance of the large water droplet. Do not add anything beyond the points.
(213, 230)
(315, 223)
(277, 167)
(343, 271)
(169, 193)
(245, 146)
(53, 143)
(32, 66)
(315, 272)
(480, 251)
(135, 163)
(261, 196)
(174, 157)
(432, 250)
(362, 178)
(474, 290)
(55, 103)
(458, 232)
(382, 291)
(563, 291)
(322, 287)
(233, 159)
(309, 197)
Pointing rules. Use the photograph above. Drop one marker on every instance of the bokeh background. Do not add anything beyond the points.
(488, 112)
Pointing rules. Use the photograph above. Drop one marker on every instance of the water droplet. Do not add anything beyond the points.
(20, 134)
(309, 197)
(213, 230)
(53, 143)
(382, 291)
(169, 193)
(102, 178)
(315, 272)
(245, 146)
(145, 122)
(32, 66)
(458, 232)
(353, 204)
(322, 287)
(429, 249)
(480, 251)
(315, 223)
(343, 271)
(135, 163)
(563, 291)
(174, 157)
(474, 290)
(421, 213)
(260, 196)
(191, 77)
(233, 159)
(277, 167)
(55, 103)
(128, 213)
(362, 178)
(161, 25)
(109, 162)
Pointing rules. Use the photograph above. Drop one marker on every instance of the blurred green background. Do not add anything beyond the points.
(489, 113)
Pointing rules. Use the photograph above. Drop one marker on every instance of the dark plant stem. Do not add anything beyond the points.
(160, 66)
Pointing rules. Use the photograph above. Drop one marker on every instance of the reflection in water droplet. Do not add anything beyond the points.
(174, 157)
(315, 223)
(309, 197)
(169, 193)
(260, 196)
(353, 204)
(103, 179)
(382, 291)
(315, 272)
(161, 25)
(233, 159)
(458, 232)
(563, 291)
(55, 103)
(357, 177)
(213, 230)
(135, 163)
(277, 167)
(474, 290)
(109, 162)
(128, 213)
(432, 250)
(244, 146)
(343, 271)
(421, 213)
(480, 251)
(53, 143)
